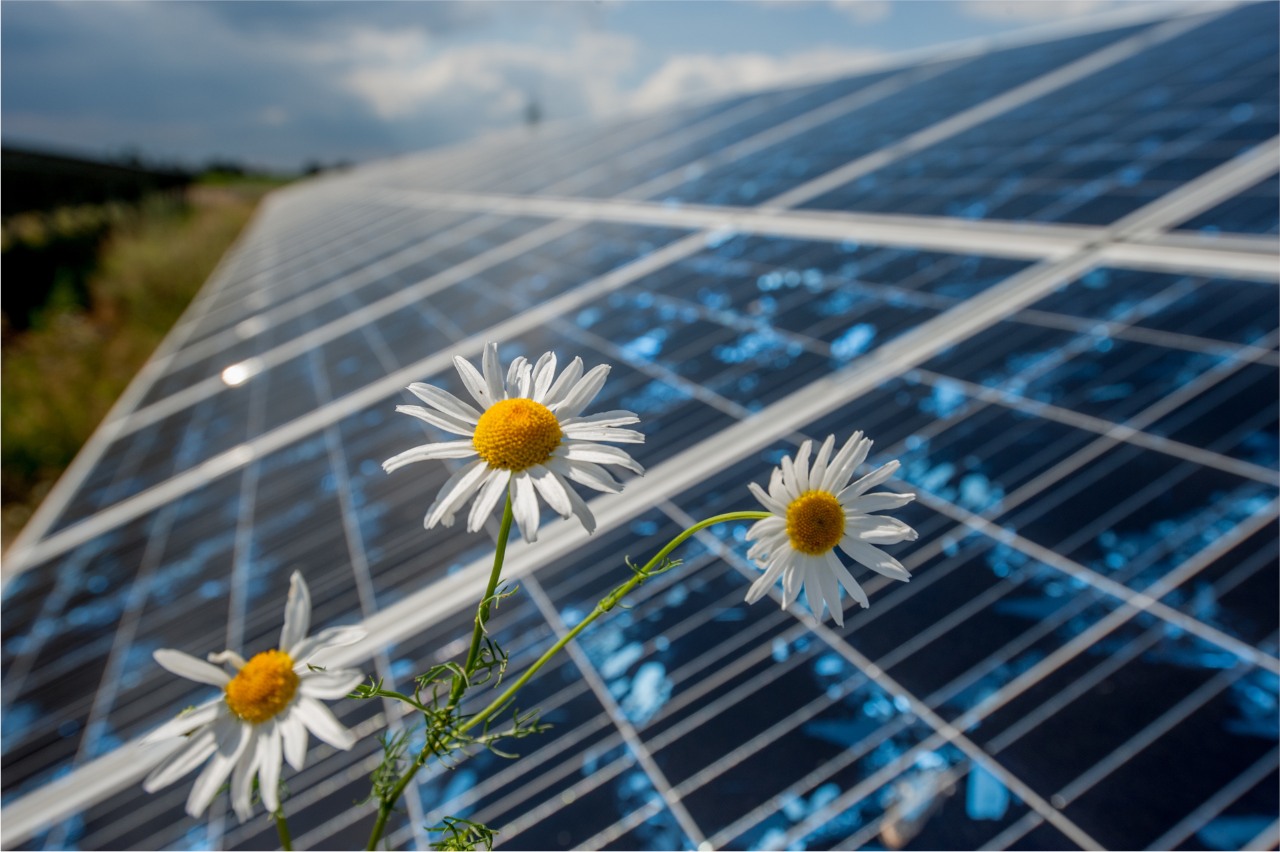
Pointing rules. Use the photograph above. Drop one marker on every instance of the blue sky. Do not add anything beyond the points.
(279, 83)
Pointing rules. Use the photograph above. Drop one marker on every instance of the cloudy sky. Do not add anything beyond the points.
(280, 83)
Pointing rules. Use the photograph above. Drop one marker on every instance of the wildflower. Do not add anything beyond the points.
(266, 708)
(815, 510)
(530, 436)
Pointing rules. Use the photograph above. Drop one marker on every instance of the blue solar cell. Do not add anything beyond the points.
(1103, 147)
(928, 99)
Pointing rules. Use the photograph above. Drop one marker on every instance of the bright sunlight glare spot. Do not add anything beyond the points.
(238, 374)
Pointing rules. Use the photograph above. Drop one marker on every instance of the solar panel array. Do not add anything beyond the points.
(1042, 274)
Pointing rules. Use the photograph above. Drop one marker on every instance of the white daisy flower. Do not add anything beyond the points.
(266, 708)
(815, 510)
(530, 435)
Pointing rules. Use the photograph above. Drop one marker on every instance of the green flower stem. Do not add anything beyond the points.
(601, 608)
(282, 828)
(459, 683)
(473, 655)
(509, 693)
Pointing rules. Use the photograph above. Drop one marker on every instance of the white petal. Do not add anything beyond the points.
(524, 503)
(871, 480)
(294, 735)
(819, 470)
(791, 580)
(587, 473)
(494, 487)
(185, 759)
(851, 586)
(766, 527)
(544, 373)
(583, 393)
(813, 592)
(242, 778)
(778, 489)
(428, 452)
(791, 479)
(445, 402)
(269, 759)
(440, 420)
(603, 433)
(519, 365)
(878, 529)
(765, 581)
(185, 665)
(582, 510)
(552, 489)
(802, 466)
(330, 685)
(473, 382)
(185, 723)
(852, 454)
(617, 417)
(598, 453)
(830, 588)
(323, 724)
(877, 502)
(330, 637)
(456, 490)
(232, 739)
(221, 658)
(765, 500)
(493, 372)
(297, 612)
(874, 558)
(564, 384)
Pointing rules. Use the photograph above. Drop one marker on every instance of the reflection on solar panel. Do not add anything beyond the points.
(1044, 275)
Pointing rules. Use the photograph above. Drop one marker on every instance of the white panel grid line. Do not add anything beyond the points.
(1131, 747)
(637, 746)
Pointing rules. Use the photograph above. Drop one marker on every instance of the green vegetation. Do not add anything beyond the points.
(120, 276)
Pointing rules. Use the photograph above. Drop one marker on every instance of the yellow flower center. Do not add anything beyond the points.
(263, 688)
(515, 434)
(815, 522)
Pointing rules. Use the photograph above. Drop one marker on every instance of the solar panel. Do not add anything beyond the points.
(1042, 274)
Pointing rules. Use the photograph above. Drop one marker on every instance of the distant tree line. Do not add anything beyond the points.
(36, 180)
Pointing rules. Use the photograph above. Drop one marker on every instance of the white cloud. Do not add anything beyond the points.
(863, 11)
(707, 74)
(1031, 10)
(500, 76)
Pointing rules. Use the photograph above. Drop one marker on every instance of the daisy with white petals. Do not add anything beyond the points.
(266, 708)
(528, 437)
(814, 509)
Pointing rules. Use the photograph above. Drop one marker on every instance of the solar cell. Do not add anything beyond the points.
(1086, 655)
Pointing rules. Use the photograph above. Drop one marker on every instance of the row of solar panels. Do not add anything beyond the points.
(1097, 446)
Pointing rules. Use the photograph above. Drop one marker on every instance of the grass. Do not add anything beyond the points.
(61, 375)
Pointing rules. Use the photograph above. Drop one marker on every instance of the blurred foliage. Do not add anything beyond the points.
(107, 309)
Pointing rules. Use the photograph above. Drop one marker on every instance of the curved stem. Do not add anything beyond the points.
(459, 683)
(282, 828)
(601, 608)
